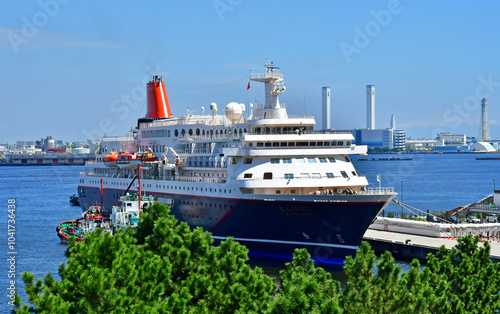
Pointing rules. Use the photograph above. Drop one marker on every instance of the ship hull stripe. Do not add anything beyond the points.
(349, 247)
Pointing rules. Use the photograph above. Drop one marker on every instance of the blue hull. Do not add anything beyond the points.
(330, 231)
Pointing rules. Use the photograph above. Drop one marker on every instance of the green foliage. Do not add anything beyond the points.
(460, 280)
(464, 278)
(305, 288)
(165, 267)
(370, 292)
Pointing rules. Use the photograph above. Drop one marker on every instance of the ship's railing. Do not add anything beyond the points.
(298, 178)
(285, 178)
(491, 206)
(378, 190)
(277, 75)
(117, 138)
(201, 164)
(196, 179)
(295, 132)
(194, 151)
(229, 136)
(299, 147)
(332, 132)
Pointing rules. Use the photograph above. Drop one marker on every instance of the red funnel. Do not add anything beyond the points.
(158, 106)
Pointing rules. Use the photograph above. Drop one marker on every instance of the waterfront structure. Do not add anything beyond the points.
(419, 145)
(327, 114)
(482, 147)
(268, 180)
(381, 138)
(370, 107)
(44, 159)
(451, 143)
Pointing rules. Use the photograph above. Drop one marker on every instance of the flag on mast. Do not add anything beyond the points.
(378, 177)
(248, 87)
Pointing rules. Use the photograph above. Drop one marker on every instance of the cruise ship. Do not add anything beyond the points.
(267, 179)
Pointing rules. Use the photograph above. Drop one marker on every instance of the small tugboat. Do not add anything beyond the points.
(128, 211)
(66, 229)
(78, 228)
(125, 214)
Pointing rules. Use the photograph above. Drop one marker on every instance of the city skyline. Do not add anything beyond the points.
(79, 70)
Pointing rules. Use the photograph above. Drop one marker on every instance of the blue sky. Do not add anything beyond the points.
(77, 69)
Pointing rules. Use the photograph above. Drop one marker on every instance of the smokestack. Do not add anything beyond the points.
(326, 108)
(370, 107)
(158, 106)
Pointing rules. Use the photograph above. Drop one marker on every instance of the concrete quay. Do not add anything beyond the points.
(406, 247)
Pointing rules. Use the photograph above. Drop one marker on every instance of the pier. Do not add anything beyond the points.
(408, 239)
(43, 159)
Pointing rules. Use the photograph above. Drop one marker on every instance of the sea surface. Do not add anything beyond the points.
(41, 193)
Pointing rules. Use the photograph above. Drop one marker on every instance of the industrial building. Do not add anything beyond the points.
(378, 138)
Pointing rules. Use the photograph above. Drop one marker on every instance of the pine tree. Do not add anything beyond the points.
(163, 268)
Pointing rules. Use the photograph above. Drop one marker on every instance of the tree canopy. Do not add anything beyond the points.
(165, 267)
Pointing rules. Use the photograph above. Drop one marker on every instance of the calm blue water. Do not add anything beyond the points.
(42, 201)
(434, 181)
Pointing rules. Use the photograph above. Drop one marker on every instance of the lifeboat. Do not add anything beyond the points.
(110, 159)
(148, 157)
(127, 160)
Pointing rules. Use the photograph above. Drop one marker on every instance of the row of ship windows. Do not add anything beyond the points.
(166, 133)
(292, 144)
(172, 187)
(311, 160)
(289, 176)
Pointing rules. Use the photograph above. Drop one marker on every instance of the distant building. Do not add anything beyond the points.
(399, 139)
(482, 147)
(48, 143)
(420, 145)
(381, 138)
(451, 143)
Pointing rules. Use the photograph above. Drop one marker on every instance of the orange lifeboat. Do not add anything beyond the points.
(110, 159)
(148, 157)
(127, 160)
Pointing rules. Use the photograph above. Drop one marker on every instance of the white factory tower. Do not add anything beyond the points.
(326, 109)
(370, 107)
